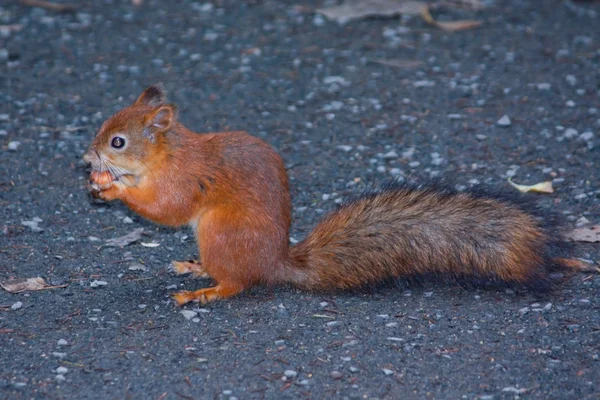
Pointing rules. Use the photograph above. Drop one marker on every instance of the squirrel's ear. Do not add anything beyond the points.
(160, 120)
(154, 96)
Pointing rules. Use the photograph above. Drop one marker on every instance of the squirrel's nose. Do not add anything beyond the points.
(90, 156)
(87, 158)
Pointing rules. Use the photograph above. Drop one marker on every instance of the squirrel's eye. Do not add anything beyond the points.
(117, 142)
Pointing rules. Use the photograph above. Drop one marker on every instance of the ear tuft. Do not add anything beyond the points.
(153, 96)
(160, 120)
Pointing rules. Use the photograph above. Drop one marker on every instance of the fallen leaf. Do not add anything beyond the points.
(28, 285)
(50, 6)
(542, 187)
(591, 234)
(450, 26)
(357, 9)
(150, 244)
(398, 63)
(123, 241)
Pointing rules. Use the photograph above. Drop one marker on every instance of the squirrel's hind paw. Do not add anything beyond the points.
(186, 267)
(207, 295)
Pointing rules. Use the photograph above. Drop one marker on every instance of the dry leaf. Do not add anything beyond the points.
(452, 26)
(28, 285)
(398, 63)
(50, 6)
(125, 240)
(542, 187)
(357, 9)
(591, 235)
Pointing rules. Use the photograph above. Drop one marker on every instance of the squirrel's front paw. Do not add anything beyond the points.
(105, 193)
(102, 185)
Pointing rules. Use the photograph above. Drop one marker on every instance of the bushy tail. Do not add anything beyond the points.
(404, 230)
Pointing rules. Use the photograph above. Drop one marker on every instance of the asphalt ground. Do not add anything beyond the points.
(344, 119)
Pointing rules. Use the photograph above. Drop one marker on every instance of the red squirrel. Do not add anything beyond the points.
(232, 189)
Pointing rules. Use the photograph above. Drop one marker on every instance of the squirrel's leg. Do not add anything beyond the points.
(186, 267)
(221, 291)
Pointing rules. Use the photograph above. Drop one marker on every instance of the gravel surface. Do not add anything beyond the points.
(347, 107)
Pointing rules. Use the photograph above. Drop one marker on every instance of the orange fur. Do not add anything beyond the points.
(232, 189)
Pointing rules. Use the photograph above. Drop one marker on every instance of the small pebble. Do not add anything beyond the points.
(336, 374)
(14, 145)
(33, 225)
(423, 83)
(137, 267)
(16, 306)
(62, 370)
(387, 371)
(504, 121)
(318, 20)
(290, 373)
(96, 283)
(60, 378)
(62, 342)
(188, 314)
(582, 221)
(524, 310)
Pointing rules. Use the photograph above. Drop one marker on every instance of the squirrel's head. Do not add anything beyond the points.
(133, 136)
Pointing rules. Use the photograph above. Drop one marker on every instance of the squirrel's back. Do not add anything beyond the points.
(404, 230)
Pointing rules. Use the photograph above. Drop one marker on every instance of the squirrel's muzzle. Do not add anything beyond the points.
(91, 157)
